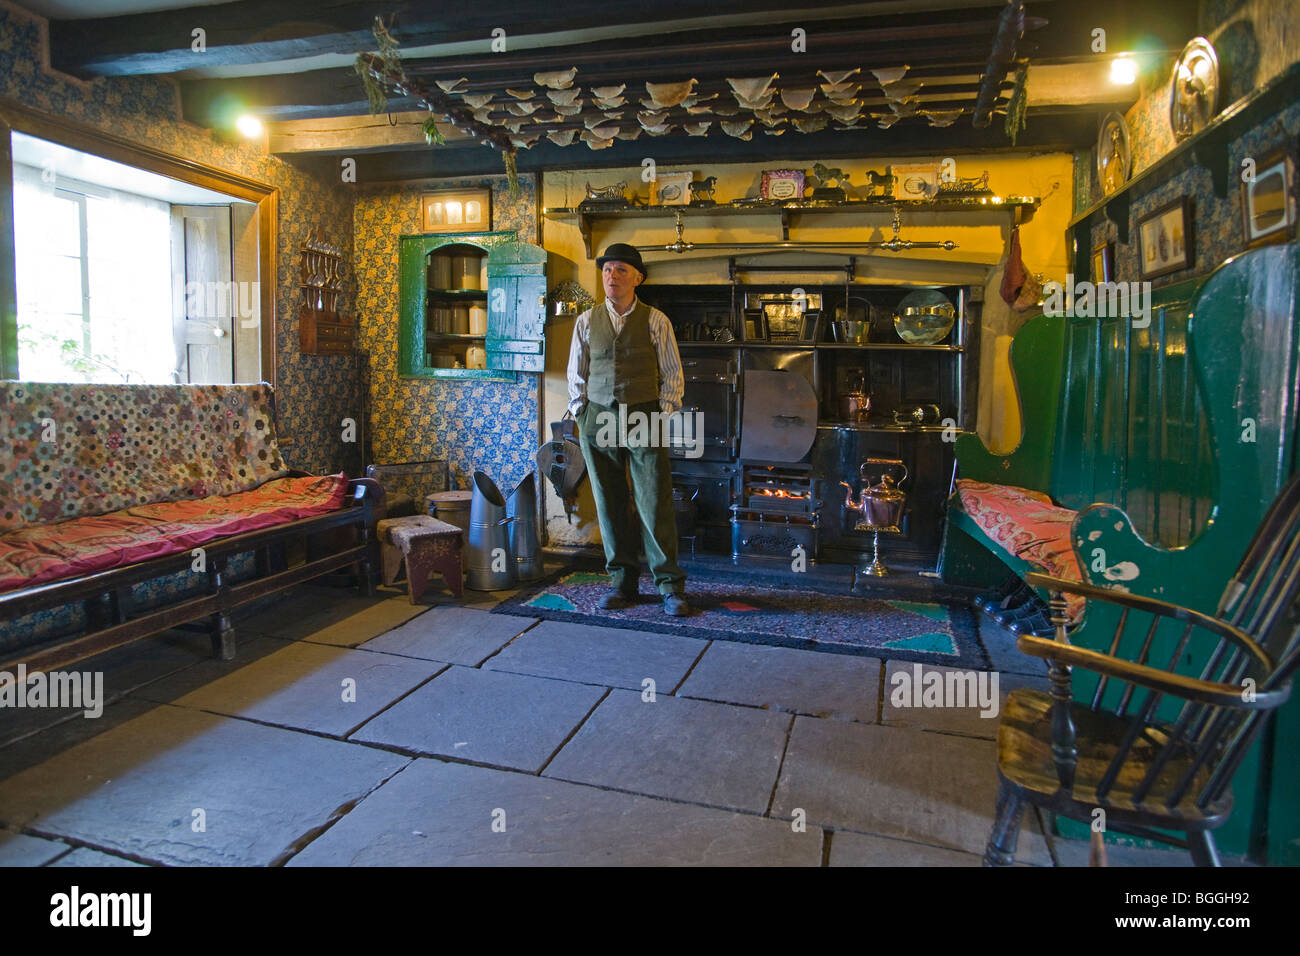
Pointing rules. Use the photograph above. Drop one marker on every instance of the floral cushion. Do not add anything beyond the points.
(75, 450)
(66, 549)
(1026, 524)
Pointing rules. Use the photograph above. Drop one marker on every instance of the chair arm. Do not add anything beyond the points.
(1139, 603)
(363, 491)
(1175, 685)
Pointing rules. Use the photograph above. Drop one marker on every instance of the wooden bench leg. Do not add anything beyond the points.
(367, 567)
(222, 630)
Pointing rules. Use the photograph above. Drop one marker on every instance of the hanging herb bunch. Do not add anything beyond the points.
(382, 71)
(1019, 98)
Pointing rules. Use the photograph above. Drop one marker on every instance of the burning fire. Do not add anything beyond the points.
(780, 493)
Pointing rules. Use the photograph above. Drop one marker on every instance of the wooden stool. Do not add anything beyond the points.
(426, 545)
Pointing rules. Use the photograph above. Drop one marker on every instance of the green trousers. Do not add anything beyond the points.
(608, 465)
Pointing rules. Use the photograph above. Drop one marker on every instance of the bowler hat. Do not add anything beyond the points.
(622, 252)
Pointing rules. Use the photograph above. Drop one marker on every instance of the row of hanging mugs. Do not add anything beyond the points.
(448, 272)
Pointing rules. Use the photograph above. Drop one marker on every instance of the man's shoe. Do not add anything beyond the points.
(616, 600)
(675, 604)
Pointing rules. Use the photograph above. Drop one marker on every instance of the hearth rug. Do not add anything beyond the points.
(736, 608)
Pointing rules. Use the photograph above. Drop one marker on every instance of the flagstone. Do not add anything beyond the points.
(444, 814)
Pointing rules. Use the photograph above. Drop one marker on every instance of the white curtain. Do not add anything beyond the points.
(128, 254)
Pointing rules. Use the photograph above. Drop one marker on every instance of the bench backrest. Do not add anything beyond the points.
(1171, 423)
(70, 449)
(1132, 426)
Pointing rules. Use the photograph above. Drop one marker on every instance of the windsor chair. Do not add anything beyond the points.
(1157, 746)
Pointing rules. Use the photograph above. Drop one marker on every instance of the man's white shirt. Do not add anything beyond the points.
(671, 382)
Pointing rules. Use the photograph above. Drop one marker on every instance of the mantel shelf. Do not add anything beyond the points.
(1021, 209)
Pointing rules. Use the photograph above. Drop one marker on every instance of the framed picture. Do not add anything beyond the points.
(456, 210)
(671, 189)
(785, 184)
(1268, 202)
(915, 180)
(1103, 262)
(1165, 238)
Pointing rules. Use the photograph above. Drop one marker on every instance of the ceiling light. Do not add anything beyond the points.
(250, 126)
(1123, 71)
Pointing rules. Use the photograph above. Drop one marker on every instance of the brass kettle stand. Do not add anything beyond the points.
(876, 568)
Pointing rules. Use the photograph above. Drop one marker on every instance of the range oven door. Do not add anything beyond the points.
(711, 393)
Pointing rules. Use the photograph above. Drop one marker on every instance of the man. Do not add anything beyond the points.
(624, 361)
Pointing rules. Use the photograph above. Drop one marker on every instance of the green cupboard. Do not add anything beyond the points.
(444, 294)
(516, 332)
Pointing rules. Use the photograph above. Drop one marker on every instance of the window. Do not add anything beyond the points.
(94, 282)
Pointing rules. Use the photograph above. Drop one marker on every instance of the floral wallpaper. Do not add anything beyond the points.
(314, 392)
(471, 424)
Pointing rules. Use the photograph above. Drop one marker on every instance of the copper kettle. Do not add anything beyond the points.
(881, 505)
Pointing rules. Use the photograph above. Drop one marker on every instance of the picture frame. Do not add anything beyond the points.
(754, 326)
(456, 210)
(917, 181)
(1165, 240)
(671, 189)
(1103, 262)
(1268, 201)
(782, 184)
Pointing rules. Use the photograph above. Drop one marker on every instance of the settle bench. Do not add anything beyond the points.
(104, 488)
(1164, 447)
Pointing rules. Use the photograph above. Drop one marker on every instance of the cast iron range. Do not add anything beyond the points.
(777, 514)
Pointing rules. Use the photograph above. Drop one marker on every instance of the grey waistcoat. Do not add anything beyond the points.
(623, 368)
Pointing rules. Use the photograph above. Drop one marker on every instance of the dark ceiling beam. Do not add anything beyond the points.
(319, 94)
(1011, 26)
(254, 31)
(855, 43)
(669, 68)
(1046, 130)
(1165, 23)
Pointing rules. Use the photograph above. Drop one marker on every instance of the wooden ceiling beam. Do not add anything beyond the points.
(254, 31)
(356, 134)
(1045, 131)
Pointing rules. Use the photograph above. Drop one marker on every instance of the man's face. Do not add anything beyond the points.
(620, 280)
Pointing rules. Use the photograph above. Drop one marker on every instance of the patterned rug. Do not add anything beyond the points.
(736, 608)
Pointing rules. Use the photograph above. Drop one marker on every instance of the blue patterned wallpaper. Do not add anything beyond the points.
(1217, 230)
(314, 392)
(473, 424)
(1216, 223)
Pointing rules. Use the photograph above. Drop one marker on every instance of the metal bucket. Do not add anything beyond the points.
(452, 507)
(521, 508)
(489, 538)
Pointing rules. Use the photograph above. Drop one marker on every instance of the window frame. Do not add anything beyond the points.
(15, 117)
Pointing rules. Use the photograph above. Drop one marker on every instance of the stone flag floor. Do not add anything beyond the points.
(356, 731)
